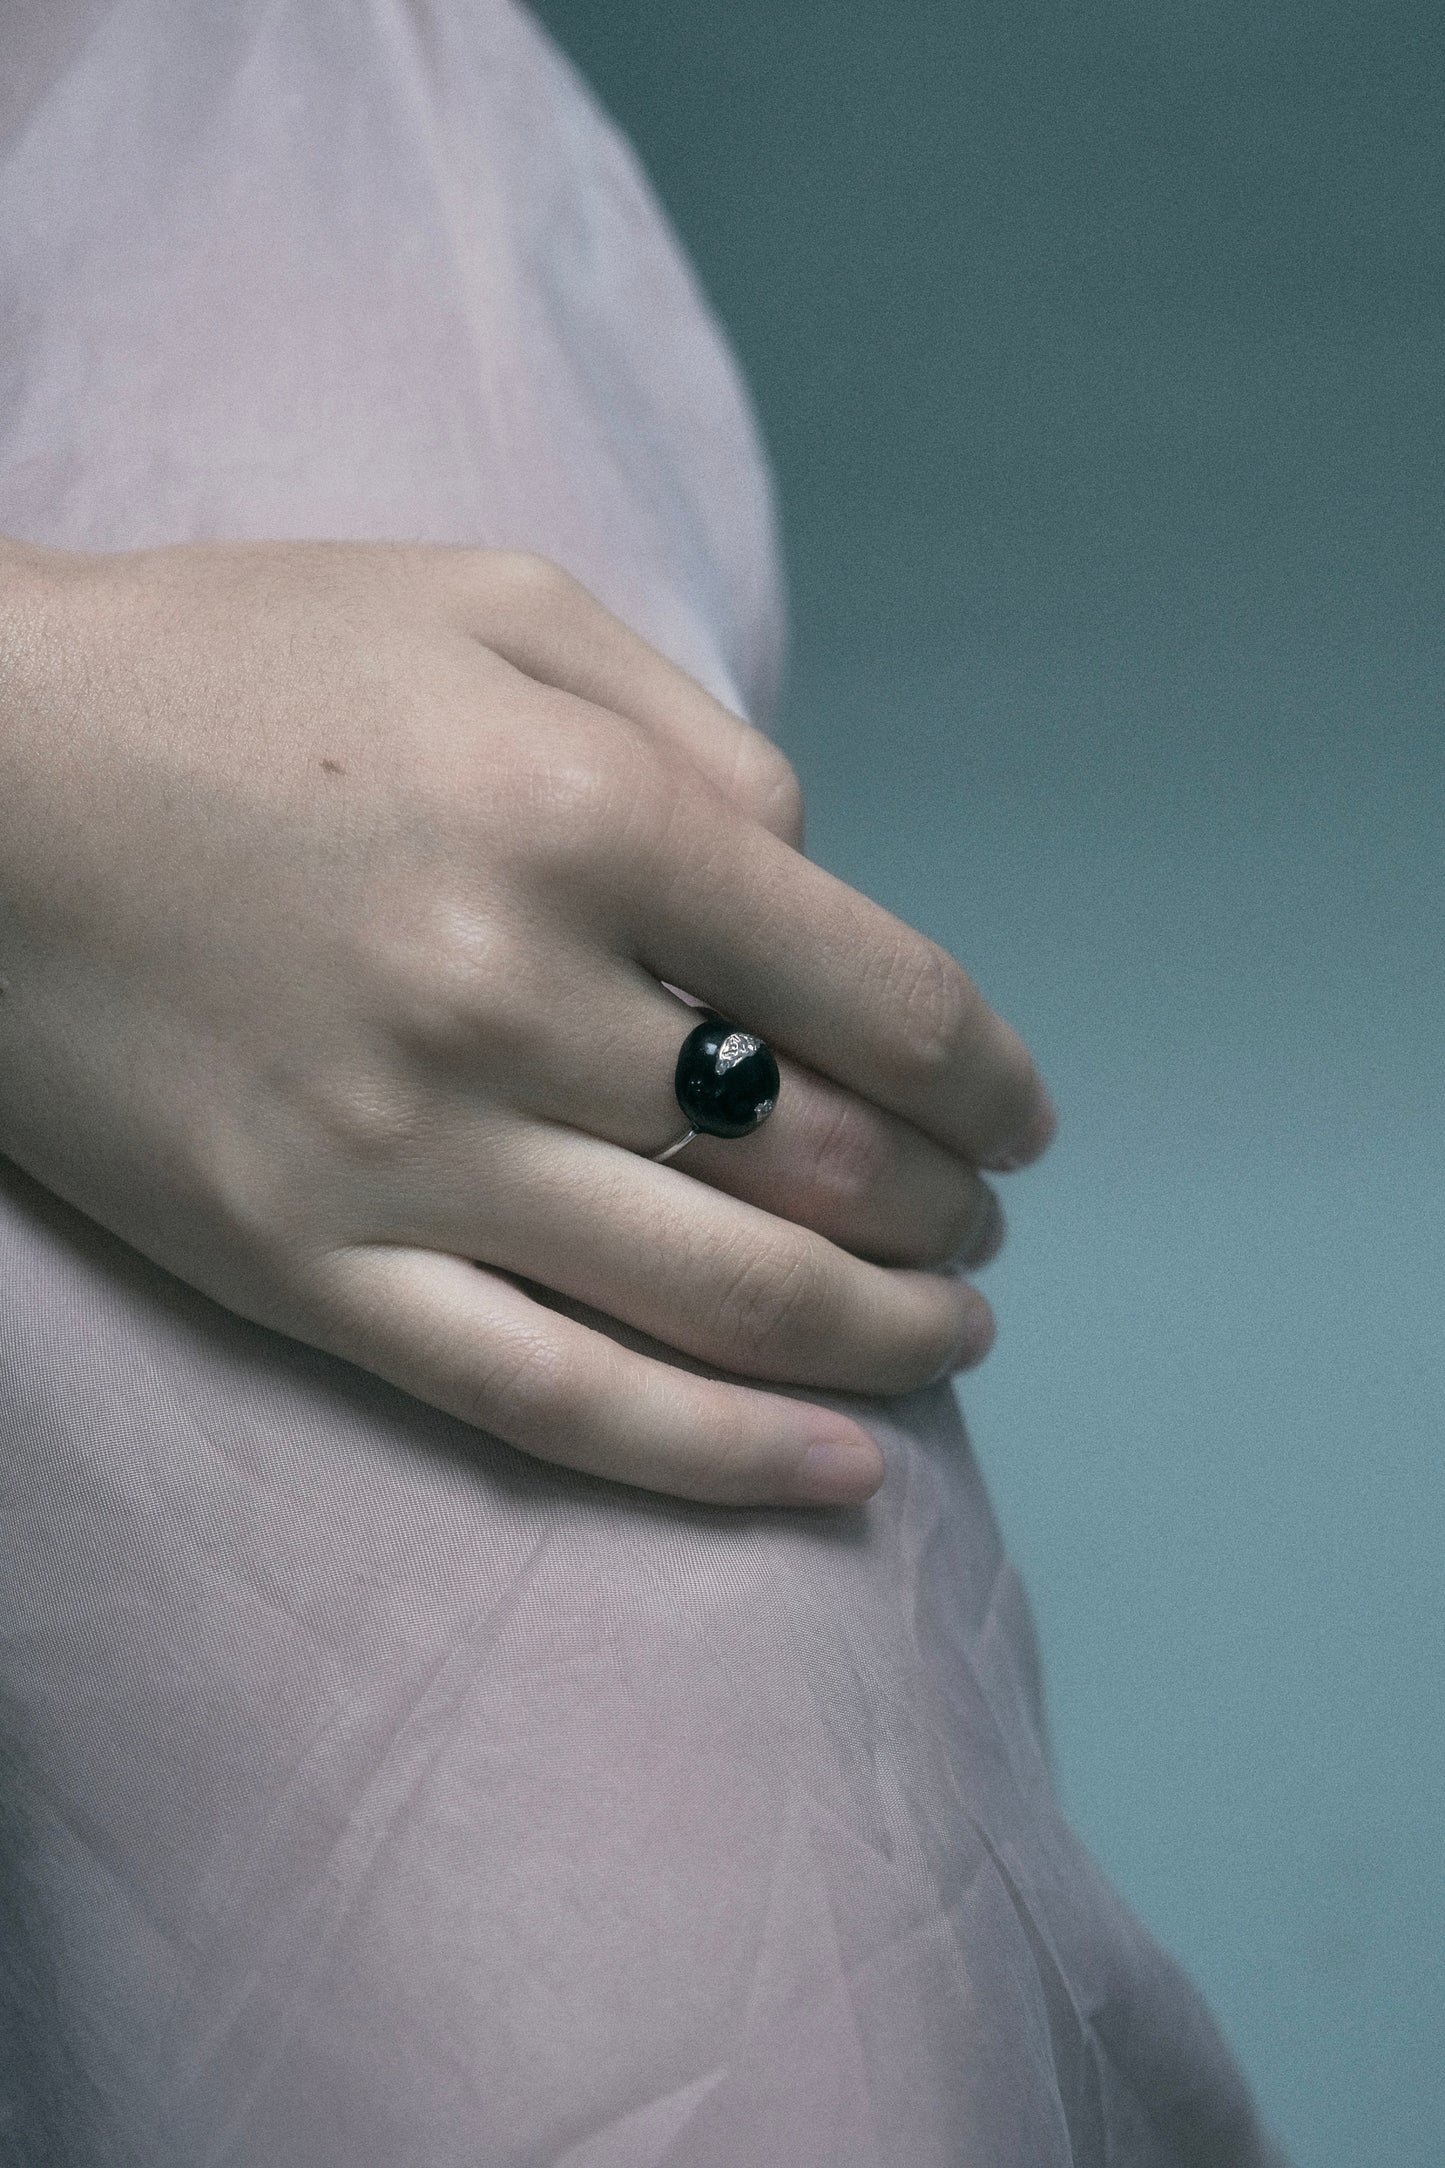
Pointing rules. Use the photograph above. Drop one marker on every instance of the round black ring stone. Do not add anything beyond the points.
(727, 1080)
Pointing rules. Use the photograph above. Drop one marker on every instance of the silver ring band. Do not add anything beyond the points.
(671, 1151)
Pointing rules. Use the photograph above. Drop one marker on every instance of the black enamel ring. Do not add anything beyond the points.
(726, 1083)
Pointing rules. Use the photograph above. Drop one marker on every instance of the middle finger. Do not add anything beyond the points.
(715, 903)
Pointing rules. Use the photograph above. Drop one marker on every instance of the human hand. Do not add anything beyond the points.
(340, 888)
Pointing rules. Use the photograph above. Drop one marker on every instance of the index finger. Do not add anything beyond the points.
(552, 628)
(788, 951)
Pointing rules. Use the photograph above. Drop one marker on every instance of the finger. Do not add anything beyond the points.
(601, 1055)
(707, 1273)
(545, 623)
(784, 949)
(866, 1179)
(985, 1237)
(469, 1342)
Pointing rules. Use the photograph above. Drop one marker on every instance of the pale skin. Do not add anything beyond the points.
(341, 891)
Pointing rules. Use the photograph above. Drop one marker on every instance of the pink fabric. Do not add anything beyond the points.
(375, 1796)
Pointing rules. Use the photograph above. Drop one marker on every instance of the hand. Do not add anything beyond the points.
(340, 888)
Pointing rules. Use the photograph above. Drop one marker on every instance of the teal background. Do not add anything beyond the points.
(1099, 351)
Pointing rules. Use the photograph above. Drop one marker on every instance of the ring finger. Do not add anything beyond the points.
(826, 1159)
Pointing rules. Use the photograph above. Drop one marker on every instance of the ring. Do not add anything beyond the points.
(726, 1083)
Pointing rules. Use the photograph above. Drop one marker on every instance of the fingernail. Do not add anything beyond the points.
(838, 1472)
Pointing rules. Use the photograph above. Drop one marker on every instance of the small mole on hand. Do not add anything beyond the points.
(333, 767)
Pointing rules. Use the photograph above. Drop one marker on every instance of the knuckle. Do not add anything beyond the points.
(595, 800)
(773, 1305)
(455, 989)
(768, 782)
(841, 1150)
(362, 1117)
(526, 1391)
(939, 1010)
(525, 582)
